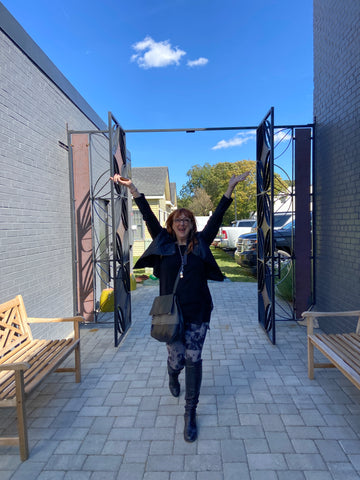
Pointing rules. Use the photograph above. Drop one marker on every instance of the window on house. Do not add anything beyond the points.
(139, 232)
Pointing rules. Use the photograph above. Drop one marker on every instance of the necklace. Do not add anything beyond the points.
(183, 261)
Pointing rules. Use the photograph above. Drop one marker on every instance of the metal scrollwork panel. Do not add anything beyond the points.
(265, 195)
(121, 232)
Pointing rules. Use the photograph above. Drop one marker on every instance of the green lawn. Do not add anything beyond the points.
(230, 268)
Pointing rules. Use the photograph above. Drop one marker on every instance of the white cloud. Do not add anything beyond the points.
(153, 54)
(239, 139)
(200, 62)
(282, 136)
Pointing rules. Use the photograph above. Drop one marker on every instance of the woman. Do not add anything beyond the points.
(180, 248)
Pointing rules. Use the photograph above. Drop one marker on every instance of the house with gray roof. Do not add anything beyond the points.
(154, 183)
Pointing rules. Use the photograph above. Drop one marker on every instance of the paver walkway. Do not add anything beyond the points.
(259, 416)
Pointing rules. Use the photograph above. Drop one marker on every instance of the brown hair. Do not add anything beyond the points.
(187, 213)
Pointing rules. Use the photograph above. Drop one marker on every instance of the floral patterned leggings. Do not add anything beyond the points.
(188, 349)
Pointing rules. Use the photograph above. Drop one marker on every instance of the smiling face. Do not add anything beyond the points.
(182, 226)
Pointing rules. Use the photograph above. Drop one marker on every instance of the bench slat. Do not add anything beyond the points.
(44, 357)
(352, 346)
(336, 342)
(21, 355)
(350, 373)
(50, 367)
(6, 357)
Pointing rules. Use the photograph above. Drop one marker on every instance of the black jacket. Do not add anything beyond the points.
(163, 244)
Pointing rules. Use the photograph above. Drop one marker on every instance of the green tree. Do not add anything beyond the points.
(214, 180)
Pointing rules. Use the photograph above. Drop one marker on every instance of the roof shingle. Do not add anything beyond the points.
(151, 181)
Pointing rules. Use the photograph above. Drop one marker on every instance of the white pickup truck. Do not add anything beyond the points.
(229, 235)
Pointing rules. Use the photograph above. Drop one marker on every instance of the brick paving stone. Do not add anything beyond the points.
(183, 476)
(125, 434)
(103, 463)
(67, 447)
(256, 445)
(202, 462)
(318, 475)
(168, 463)
(279, 442)
(65, 462)
(291, 475)
(355, 460)
(161, 447)
(156, 476)
(131, 471)
(232, 451)
(44, 475)
(350, 446)
(246, 432)
(103, 476)
(78, 475)
(235, 471)
(210, 476)
(305, 461)
(261, 475)
(93, 444)
(338, 433)
(113, 447)
(29, 470)
(266, 461)
(184, 448)
(331, 450)
(342, 470)
(304, 445)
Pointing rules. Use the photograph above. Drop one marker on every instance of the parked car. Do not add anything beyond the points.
(229, 235)
(217, 240)
(280, 220)
(246, 247)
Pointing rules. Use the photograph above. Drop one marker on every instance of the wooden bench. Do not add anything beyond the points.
(25, 362)
(343, 350)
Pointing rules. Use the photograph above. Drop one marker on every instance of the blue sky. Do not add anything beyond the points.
(166, 64)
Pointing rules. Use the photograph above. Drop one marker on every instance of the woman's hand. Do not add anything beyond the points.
(118, 179)
(234, 180)
(121, 180)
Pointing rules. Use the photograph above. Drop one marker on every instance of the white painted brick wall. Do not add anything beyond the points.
(35, 225)
(337, 142)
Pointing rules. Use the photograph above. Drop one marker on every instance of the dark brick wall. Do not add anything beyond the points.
(337, 158)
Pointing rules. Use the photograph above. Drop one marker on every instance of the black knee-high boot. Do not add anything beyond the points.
(193, 376)
(174, 385)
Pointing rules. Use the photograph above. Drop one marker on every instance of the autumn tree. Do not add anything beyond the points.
(201, 203)
(214, 180)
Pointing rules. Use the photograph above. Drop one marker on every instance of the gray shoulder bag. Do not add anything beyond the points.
(167, 323)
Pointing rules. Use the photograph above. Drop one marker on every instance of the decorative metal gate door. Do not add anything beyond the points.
(120, 230)
(100, 222)
(265, 223)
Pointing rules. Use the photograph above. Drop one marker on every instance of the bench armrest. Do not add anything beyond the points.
(54, 320)
(308, 314)
(311, 315)
(15, 366)
(76, 321)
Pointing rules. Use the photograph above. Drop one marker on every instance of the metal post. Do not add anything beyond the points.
(73, 226)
